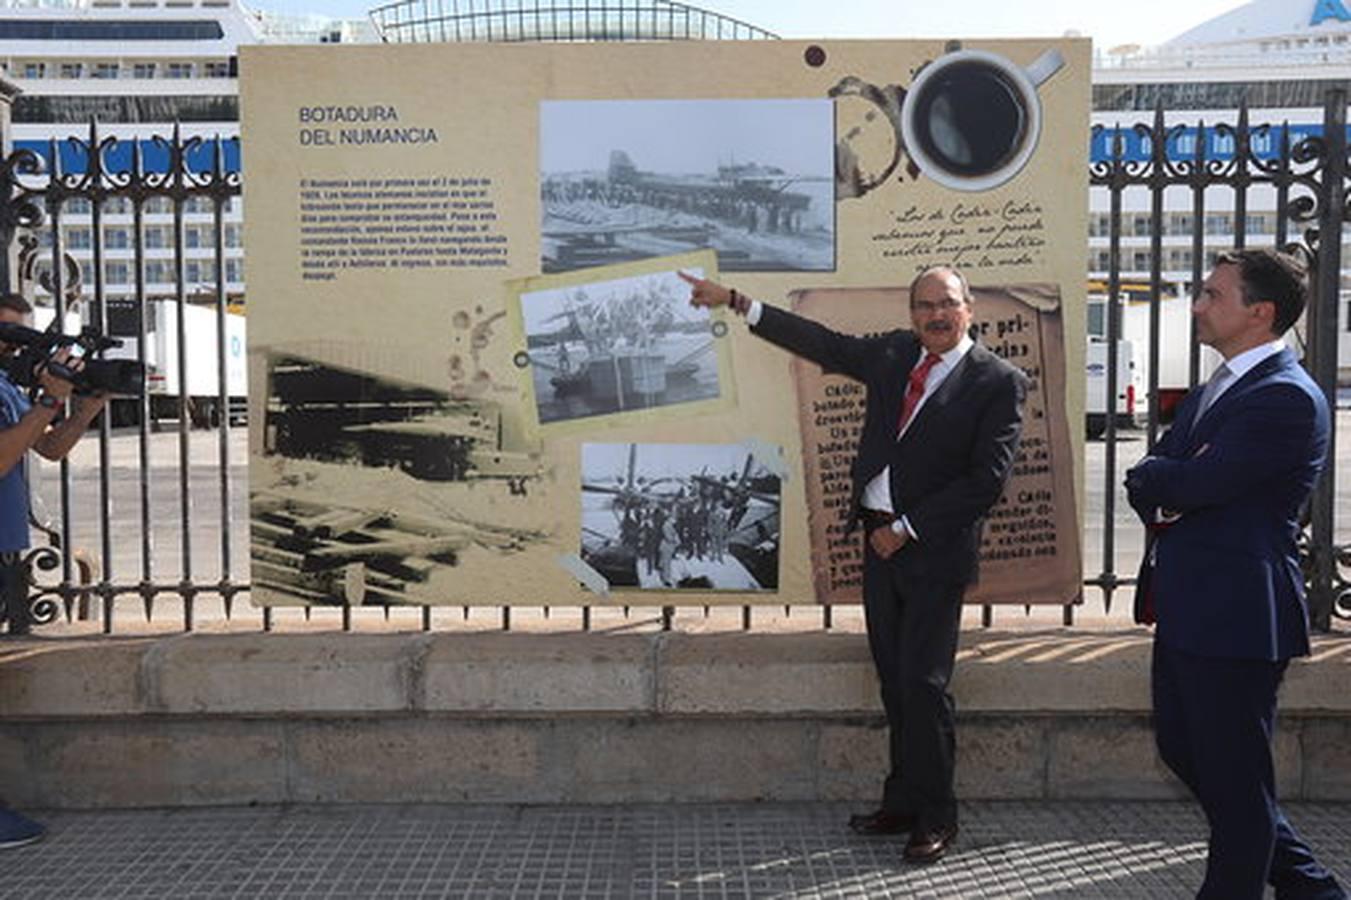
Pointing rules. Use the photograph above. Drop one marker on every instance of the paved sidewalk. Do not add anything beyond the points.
(1007, 849)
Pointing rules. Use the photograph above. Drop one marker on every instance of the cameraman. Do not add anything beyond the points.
(25, 425)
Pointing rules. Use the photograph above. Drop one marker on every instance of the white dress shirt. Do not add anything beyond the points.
(877, 495)
(1243, 363)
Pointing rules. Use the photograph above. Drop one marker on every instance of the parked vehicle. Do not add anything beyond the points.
(197, 374)
(1174, 340)
(1130, 408)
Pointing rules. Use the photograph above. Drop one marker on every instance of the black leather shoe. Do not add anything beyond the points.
(930, 844)
(881, 822)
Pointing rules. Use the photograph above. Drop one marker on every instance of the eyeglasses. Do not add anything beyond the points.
(931, 306)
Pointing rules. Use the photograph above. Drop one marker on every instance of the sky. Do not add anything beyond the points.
(1110, 24)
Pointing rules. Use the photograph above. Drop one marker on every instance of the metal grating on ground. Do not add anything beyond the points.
(1011, 849)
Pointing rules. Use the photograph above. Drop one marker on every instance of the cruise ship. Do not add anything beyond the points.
(138, 65)
(1281, 57)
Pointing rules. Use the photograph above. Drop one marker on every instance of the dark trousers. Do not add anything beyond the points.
(912, 632)
(1213, 721)
(13, 594)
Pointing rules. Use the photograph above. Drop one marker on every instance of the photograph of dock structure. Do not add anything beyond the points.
(623, 180)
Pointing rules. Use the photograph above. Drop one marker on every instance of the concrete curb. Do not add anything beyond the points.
(208, 719)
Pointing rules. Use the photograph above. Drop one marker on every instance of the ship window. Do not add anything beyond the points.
(200, 272)
(1213, 95)
(78, 238)
(143, 70)
(119, 30)
(126, 108)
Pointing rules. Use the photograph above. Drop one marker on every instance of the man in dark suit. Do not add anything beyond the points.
(1221, 496)
(943, 416)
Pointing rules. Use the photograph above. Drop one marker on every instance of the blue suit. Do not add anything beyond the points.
(1224, 582)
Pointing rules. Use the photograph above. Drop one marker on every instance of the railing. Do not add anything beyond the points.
(37, 188)
(417, 21)
(1309, 182)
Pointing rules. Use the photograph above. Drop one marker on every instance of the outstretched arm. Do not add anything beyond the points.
(829, 349)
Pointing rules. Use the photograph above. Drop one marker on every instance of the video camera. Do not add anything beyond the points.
(125, 377)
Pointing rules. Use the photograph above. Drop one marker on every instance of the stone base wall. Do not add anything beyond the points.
(532, 718)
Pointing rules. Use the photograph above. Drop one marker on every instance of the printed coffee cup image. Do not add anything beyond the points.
(971, 119)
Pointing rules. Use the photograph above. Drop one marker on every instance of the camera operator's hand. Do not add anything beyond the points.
(64, 433)
(54, 384)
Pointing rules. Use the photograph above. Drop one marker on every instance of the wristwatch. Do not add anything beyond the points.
(47, 401)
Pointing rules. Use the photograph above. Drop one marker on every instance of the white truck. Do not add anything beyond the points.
(1130, 407)
(164, 377)
(1174, 343)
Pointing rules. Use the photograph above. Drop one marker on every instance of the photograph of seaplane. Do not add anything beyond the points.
(680, 517)
(622, 180)
(620, 345)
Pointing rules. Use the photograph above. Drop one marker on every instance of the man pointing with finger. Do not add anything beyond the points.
(942, 422)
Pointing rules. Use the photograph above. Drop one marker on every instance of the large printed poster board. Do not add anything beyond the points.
(475, 376)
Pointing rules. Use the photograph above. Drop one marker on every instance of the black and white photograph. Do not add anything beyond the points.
(622, 180)
(617, 346)
(379, 488)
(680, 517)
(328, 413)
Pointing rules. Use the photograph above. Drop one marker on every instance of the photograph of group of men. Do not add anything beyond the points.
(692, 516)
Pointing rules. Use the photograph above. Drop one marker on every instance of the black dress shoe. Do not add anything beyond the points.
(930, 844)
(881, 822)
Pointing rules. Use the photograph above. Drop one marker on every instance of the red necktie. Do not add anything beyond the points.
(915, 389)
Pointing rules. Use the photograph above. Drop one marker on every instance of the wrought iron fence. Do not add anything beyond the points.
(38, 186)
(1308, 176)
(165, 178)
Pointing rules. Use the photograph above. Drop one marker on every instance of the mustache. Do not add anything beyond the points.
(938, 326)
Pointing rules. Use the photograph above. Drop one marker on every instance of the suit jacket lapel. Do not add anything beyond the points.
(1269, 366)
(894, 391)
(950, 388)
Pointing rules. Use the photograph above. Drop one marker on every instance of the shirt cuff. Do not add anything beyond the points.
(905, 523)
(753, 314)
